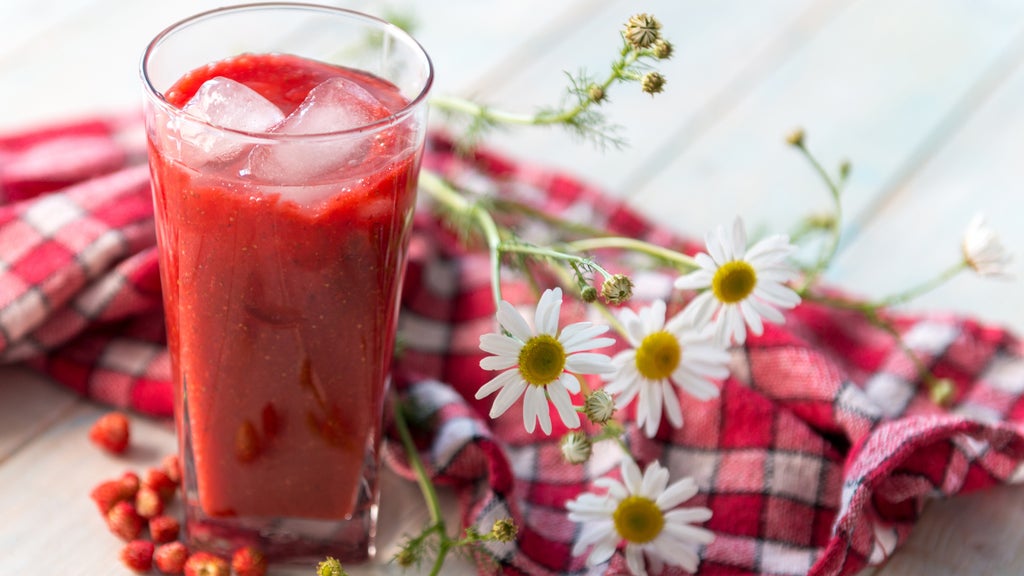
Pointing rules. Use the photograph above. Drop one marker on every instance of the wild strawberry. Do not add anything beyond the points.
(170, 558)
(111, 432)
(124, 521)
(138, 555)
(130, 481)
(172, 467)
(163, 529)
(148, 503)
(206, 564)
(248, 561)
(159, 481)
(108, 493)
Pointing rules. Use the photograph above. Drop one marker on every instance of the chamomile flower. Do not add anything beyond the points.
(742, 288)
(642, 511)
(982, 249)
(541, 363)
(663, 356)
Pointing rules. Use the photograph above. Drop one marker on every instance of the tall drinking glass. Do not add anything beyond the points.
(284, 145)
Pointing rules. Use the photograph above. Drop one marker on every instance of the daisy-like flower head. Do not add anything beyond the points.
(742, 288)
(983, 250)
(664, 356)
(541, 363)
(642, 511)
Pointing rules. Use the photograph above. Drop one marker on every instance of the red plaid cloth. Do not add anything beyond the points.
(816, 458)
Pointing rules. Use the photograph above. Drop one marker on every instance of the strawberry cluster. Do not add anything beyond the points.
(134, 508)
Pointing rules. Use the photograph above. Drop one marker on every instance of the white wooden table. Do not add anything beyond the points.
(923, 96)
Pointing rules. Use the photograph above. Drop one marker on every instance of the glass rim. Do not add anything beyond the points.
(157, 97)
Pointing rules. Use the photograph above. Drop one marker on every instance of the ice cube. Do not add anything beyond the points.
(228, 104)
(333, 106)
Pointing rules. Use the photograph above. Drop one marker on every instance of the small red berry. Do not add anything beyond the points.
(124, 521)
(108, 493)
(206, 564)
(170, 557)
(111, 432)
(163, 528)
(172, 467)
(138, 555)
(131, 482)
(159, 481)
(148, 503)
(248, 561)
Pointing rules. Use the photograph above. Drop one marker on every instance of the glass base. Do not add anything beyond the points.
(286, 540)
(283, 539)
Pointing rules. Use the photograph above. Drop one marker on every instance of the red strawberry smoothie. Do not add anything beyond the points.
(281, 314)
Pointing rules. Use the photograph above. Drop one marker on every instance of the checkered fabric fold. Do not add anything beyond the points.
(817, 457)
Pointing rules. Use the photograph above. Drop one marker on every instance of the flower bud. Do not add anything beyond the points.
(796, 138)
(596, 94)
(942, 391)
(652, 83)
(588, 294)
(642, 31)
(599, 406)
(617, 289)
(504, 530)
(663, 49)
(576, 447)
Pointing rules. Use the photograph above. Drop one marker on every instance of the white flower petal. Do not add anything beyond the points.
(631, 477)
(653, 407)
(570, 382)
(501, 345)
(511, 320)
(510, 392)
(672, 409)
(714, 247)
(635, 560)
(537, 404)
(670, 550)
(777, 294)
(688, 533)
(688, 515)
(739, 238)
(680, 491)
(752, 318)
(563, 404)
(616, 490)
(589, 363)
(602, 551)
(500, 381)
(575, 335)
(588, 345)
(498, 362)
(699, 311)
(766, 310)
(548, 309)
(695, 386)
(695, 280)
(654, 481)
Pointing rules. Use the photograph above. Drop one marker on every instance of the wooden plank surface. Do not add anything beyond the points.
(922, 95)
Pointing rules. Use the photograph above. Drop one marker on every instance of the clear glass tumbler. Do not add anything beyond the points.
(284, 145)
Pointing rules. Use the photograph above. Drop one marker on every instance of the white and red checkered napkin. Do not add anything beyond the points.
(816, 457)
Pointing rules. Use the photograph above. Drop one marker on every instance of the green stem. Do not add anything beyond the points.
(553, 254)
(422, 478)
(444, 193)
(924, 287)
(826, 256)
(455, 104)
(634, 245)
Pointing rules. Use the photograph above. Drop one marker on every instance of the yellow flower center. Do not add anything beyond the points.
(734, 281)
(658, 355)
(638, 519)
(542, 360)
